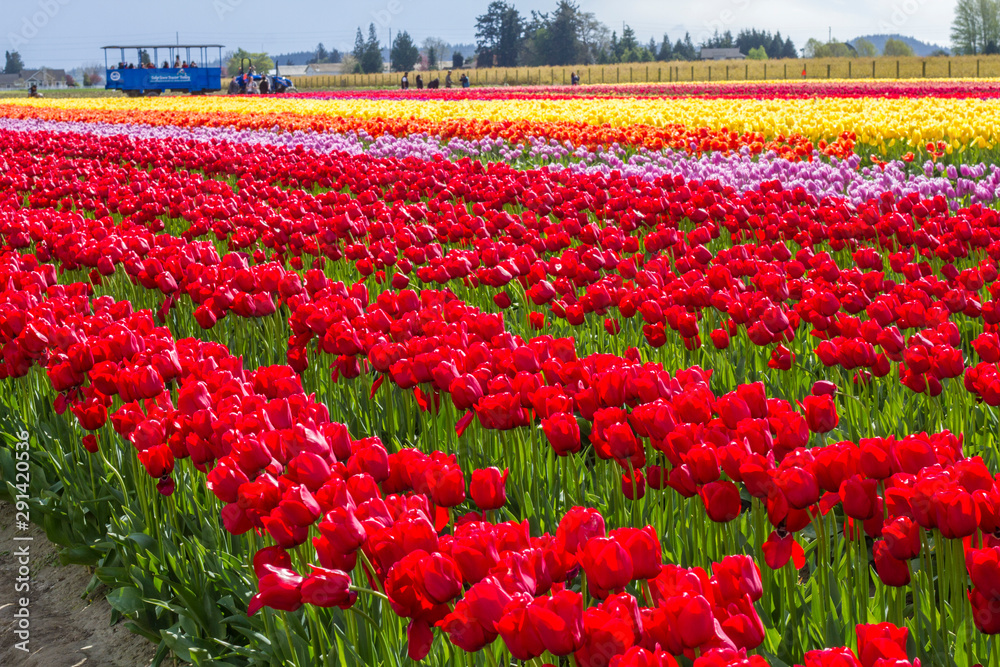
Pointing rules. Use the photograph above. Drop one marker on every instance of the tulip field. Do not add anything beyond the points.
(702, 375)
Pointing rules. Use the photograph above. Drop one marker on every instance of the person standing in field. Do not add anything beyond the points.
(447, 80)
(420, 82)
(404, 83)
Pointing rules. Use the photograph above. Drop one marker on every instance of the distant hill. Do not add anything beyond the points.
(919, 48)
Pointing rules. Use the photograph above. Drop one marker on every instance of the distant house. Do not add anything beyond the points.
(722, 54)
(44, 78)
(328, 69)
(293, 70)
(10, 81)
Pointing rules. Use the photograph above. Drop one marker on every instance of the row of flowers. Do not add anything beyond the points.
(830, 125)
(592, 135)
(960, 185)
(952, 88)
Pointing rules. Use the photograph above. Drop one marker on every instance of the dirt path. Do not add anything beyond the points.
(65, 630)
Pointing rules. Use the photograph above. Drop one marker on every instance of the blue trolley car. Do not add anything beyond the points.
(135, 79)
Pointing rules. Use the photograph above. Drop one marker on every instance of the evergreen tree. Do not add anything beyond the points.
(563, 44)
(789, 51)
(321, 54)
(666, 51)
(775, 45)
(404, 53)
(368, 53)
(359, 50)
(685, 50)
(628, 41)
(499, 33)
(14, 63)
(717, 41)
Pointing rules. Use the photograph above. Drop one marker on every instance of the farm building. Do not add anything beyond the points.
(722, 54)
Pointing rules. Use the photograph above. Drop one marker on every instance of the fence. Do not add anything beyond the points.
(666, 72)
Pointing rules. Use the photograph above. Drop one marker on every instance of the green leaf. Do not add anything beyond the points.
(127, 600)
(80, 555)
(143, 540)
(112, 575)
(178, 643)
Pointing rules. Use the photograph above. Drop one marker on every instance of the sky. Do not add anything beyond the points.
(68, 33)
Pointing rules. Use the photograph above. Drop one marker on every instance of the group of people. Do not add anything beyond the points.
(178, 64)
(249, 84)
(434, 83)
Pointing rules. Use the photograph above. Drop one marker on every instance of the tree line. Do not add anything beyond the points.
(860, 48)
(564, 36)
(569, 36)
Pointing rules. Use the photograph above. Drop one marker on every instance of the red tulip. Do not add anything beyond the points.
(487, 488)
(563, 433)
(643, 547)
(858, 496)
(558, 620)
(722, 501)
(279, 588)
(881, 641)
(778, 550)
(892, 571)
(902, 538)
(328, 588)
(607, 564)
(820, 413)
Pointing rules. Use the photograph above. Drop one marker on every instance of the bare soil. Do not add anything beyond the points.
(66, 630)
